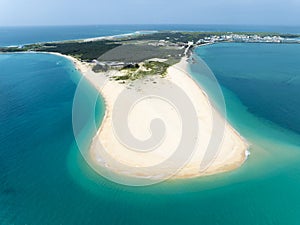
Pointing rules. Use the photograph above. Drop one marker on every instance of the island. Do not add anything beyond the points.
(139, 64)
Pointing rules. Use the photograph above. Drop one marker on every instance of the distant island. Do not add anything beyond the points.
(139, 64)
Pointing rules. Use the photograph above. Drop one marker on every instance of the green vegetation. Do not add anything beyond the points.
(148, 68)
(82, 50)
(184, 37)
(174, 37)
(159, 68)
(125, 77)
(86, 51)
(11, 49)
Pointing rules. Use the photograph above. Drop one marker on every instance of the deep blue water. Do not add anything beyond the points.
(25, 35)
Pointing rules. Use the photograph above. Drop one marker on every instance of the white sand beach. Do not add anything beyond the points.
(233, 148)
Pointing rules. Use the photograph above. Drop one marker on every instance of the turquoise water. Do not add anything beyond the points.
(44, 179)
(266, 79)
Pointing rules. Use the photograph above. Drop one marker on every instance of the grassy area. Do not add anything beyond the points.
(125, 77)
(159, 68)
(147, 69)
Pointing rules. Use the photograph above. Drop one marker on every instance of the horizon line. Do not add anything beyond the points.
(151, 24)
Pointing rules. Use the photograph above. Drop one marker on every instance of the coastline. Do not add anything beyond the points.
(233, 150)
(46, 179)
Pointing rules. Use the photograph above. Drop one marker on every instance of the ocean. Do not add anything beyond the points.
(44, 179)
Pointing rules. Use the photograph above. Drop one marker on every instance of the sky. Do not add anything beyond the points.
(89, 12)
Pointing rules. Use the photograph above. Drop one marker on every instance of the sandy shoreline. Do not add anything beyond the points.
(233, 148)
